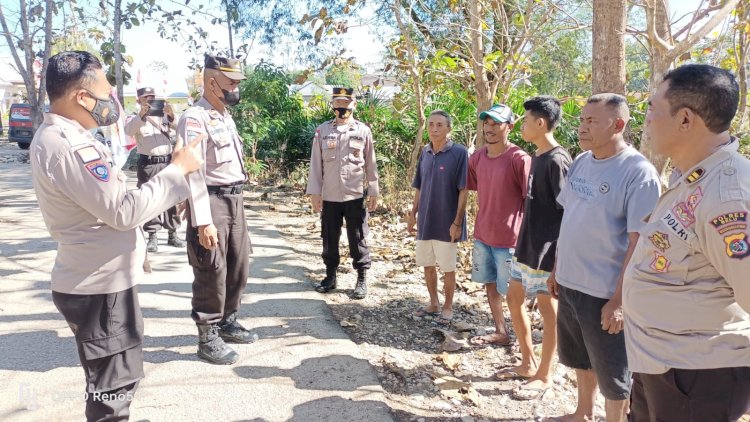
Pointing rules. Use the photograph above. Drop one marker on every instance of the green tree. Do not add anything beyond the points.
(344, 73)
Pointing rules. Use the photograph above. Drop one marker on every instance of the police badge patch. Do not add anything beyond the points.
(660, 264)
(660, 240)
(737, 246)
(99, 170)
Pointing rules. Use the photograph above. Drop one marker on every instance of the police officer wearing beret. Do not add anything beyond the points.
(218, 243)
(686, 292)
(343, 184)
(154, 145)
(96, 221)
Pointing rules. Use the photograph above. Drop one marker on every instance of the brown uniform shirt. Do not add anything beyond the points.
(149, 135)
(686, 293)
(89, 211)
(222, 153)
(342, 162)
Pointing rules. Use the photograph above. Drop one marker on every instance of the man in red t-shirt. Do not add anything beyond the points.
(499, 173)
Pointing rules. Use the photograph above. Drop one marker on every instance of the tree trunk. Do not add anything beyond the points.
(481, 83)
(608, 65)
(657, 12)
(741, 58)
(48, 11)
(418, 91)
(118, 50)
(664, 51)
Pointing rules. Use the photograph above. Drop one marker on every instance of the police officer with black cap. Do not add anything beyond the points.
(343, 185)
(150, 127)
(218, 241)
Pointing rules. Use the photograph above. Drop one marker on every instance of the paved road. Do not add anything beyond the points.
(304, 368)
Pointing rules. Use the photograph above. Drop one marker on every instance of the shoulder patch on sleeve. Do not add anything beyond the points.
(193, 124)
(88, 154)
(737, 246)
(99, 170)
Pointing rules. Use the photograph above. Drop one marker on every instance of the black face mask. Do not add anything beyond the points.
(105, 112)
(231, 98)
(343, 112)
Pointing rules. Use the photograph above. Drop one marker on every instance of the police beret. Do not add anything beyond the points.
(346, 93)
(146, 90)
(229, 67)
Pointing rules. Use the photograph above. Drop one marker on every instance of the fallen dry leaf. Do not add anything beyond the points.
(450, 383)
(450, 361)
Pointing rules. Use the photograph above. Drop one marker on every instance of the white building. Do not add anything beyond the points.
(12, 88)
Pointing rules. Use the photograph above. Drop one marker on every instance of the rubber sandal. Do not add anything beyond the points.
(423, 313)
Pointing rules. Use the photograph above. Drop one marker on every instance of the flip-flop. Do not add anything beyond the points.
(442, 321)
(422, 313)
(508, 374)
(530, 393)
(479, 341)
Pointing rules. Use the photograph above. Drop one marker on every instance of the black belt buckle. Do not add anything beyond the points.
(225, 190)
(156, 159)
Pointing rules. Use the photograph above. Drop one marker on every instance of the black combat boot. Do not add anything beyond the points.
(153, 244)
(212, 348)
(175, 241)
(233, 332)
(360, 290)
(328, 283)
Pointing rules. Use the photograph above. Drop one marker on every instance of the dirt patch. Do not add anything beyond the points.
(422, 381)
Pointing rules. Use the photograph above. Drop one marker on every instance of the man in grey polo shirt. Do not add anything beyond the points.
(686, 294)
(610, 189)
(439, 213)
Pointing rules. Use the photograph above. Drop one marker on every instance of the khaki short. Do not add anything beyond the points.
(431, 253)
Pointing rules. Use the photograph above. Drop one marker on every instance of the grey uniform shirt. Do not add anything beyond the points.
(342, 162)
(149, 135)
(89, 211)
(222, 153)
(686, 293)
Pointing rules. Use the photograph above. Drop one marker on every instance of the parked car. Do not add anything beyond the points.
(20, 125)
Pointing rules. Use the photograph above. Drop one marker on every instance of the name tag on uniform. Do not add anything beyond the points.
(88, 154)
(674, 224)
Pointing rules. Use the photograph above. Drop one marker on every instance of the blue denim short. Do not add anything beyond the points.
(491, 265)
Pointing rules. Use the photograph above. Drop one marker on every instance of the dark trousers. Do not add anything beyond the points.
(108, 329)
(169, 219)
(356, 231)
(691, 395)
(220, 273)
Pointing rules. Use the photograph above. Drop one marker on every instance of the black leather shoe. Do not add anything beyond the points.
(328, 283)
(153, 244)
(232, 331)
(212, 348)
(175, 241)
(360, 290)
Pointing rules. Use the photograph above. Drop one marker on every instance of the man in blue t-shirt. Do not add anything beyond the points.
(611, 188)
(439, 211)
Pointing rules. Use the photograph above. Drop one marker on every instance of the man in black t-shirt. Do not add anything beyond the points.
(535, 250)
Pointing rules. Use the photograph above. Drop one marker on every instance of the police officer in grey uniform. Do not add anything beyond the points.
(218, 243)
(686, 292)
(96, 221)
(154, 148)
(343, 184)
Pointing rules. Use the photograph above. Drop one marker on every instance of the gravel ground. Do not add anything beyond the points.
(422, 382)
